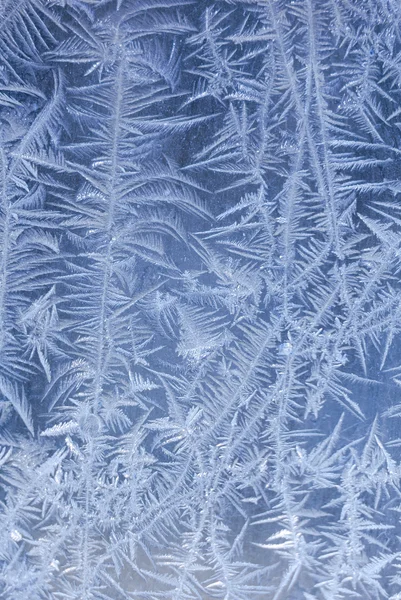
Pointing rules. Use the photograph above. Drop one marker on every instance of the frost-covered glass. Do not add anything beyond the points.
(200, 299)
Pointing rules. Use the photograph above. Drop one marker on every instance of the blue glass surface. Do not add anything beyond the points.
(200, 299)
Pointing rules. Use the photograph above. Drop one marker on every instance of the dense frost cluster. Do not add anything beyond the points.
(200, 299)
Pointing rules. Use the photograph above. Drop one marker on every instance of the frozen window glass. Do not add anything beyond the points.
(200, 299)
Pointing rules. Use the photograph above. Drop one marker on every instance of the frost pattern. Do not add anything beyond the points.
(200, 299)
